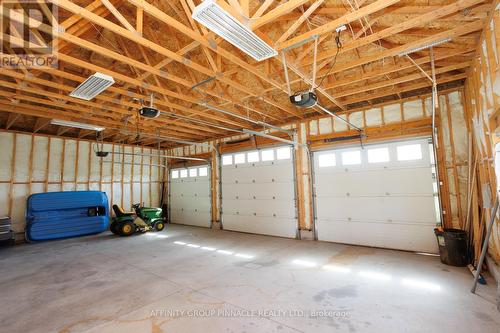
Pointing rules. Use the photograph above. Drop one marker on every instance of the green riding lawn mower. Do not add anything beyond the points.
(142, 219)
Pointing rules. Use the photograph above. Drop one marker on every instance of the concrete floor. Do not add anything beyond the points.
(195, 280)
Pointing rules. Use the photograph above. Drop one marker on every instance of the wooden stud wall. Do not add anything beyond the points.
(34, 163)
(482, 96)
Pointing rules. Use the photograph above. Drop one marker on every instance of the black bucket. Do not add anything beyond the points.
(452, 246)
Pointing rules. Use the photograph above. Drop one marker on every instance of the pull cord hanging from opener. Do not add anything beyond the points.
(338, 43)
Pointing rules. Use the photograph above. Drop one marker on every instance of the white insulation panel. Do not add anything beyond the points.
(40, 163)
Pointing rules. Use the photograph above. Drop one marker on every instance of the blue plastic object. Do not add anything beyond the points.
(56, 215)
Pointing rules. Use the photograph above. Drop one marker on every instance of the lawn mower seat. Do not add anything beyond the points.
(119, 212)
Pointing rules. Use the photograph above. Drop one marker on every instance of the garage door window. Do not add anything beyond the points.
(267, 155)
(184, 173)
(202, 172)
(326, 160)
(409, 152)
(283, 153)
(193, 172)
(351, 157)
(239, 158)
(253, 156)
(227, 159)
(175, 174)
(378, 155)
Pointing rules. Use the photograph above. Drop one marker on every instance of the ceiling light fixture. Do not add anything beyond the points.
(93, 86)
(212, 16)
(77, 125)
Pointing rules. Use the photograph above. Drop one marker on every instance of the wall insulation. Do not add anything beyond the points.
(454, 138)
(482, 91)
(36, 163)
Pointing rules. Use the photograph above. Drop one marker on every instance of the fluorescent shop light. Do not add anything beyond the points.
(212, 16)
(425, 46)
(77, 125)
(93, 86)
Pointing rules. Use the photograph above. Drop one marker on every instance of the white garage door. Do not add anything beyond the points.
(381, 196)
(258, 192)
(190, 201)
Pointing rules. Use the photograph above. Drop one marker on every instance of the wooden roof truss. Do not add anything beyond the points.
(155, 47)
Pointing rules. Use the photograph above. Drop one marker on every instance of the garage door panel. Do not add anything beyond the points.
(387, 204)
(260, 207)
(380, 209)
(279, 172)
(199, 188)
(259, 197)
(186, 202)
(194, 218)
(190, 200)
(279, 191)
(274, 226)
(400, 236)
(189, 196)
(377, 182)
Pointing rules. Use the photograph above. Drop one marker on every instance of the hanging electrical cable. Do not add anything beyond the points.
(309, 99)
(338, 43)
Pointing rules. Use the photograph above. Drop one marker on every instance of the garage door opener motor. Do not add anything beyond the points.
(308, 98)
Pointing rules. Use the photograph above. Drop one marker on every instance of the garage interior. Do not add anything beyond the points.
(307, 165)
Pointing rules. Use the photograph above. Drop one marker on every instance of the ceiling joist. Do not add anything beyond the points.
(120, 38)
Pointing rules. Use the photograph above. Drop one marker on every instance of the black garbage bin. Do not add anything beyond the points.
(452, 246)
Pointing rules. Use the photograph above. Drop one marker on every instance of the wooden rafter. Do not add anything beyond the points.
(125, 34)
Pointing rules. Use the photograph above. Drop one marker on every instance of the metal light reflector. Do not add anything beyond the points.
(93, 86)
(425, 46)
(212, 16)
(77, 125)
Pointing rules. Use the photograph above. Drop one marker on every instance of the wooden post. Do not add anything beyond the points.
(150, 177)
(12, 173)
(30, 189)
(454, 162)
(443, 174)
(62, 163)
(89, 166)
(47, 165)
(123, 173)
(299, 175)
(214, 182)
(310, 185)
(100, 173)
(142, 168)
(77, 157)
(112, 176)
(132, 178)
